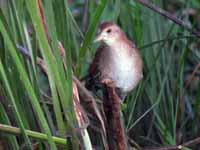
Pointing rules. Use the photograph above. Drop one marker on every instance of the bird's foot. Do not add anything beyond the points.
(108, 82)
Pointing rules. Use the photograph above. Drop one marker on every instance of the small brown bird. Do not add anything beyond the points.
(117, 61)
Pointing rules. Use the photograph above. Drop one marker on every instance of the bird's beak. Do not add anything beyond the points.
(98, 38)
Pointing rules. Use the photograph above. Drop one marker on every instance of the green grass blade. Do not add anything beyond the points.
(12, 140)
(12, 99)
(33, 134)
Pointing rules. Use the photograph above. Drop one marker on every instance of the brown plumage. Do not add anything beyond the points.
(117, 61)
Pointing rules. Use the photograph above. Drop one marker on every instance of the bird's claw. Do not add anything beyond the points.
(108, 82)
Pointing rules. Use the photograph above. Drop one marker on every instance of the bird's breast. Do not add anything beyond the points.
(125, 71)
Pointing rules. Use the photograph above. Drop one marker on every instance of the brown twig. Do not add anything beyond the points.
(169, 16)
(114, 126)
(192, 75)
(41, 13)
(91, 105)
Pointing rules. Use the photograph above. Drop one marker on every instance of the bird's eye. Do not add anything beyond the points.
(108, 31)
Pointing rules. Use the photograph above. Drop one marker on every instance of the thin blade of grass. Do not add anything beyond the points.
(12, 140)
(12, 99)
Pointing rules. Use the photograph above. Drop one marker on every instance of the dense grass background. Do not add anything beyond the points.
(163, 110)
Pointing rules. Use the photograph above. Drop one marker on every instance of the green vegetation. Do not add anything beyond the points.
(37, 108)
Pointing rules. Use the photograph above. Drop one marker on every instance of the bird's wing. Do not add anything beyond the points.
(92, 81)
(94, 67)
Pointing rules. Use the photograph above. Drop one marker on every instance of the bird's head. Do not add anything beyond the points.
(108, 32)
